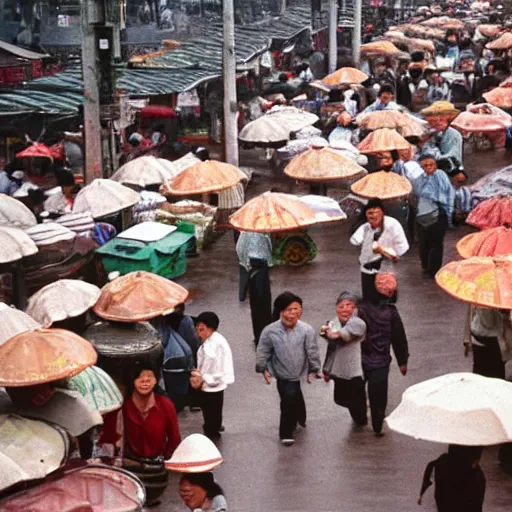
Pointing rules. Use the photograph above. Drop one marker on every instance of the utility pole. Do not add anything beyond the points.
(356, 34)
(333, 35)
(91, 14)
(229, 75)
(100, 45)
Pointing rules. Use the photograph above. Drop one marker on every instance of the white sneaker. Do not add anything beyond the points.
(287, 442)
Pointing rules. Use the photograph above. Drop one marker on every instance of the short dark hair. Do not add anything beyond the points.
(282, 302)
(374, 203)
(206, 482)
(283, 77)
(386, 88)
(427, 156)
(208, 318)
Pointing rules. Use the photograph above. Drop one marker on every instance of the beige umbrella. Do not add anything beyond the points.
(266, 131)
(29, 449)
(145, 171)
(458, 408)
(292, 118)
(273, 211)
(203, 178)
(13, 322)
(15, 244)
(322, 164)
(104, 197)
(139, 296)
(15, 214)
(382, 185)
(65, 298)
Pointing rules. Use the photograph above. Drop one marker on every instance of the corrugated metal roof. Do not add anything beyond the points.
(182, 69)
(249, 42)
(137, 82)
(23, 101)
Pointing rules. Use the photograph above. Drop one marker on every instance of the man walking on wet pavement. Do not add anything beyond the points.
(287, 351)
(384, 330)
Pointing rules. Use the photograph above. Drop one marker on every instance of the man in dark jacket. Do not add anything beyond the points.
(384, 330)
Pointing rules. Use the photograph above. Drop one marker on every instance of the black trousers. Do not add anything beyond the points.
(378, 395)
(211, 405)
(260, 298)
(431, 245)
(293, 407)
(352, 395)
(487, 360)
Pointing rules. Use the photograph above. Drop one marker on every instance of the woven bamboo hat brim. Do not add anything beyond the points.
(43, 355)
(104, 197)
(15, 214)
(139, 296)
(15, 244)
(65, 298)
(382, 185)
(322, 164)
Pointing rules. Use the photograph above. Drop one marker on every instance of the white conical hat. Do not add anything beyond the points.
(195, 454)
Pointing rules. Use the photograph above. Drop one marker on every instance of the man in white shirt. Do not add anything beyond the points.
(215, 368)
(383, 242)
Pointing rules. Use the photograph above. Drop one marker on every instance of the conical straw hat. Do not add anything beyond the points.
(379, 48)
(273, 211)
(440, 108)
(322, 164)
(139, 296)
(345, 76)
(145, 171)
(382, 185)
(15, 244)
(492, 213)
(485, 282)
(104, 197)
(15, 214)
(13, 322)
(292, 118)
(195, 454)
(381, 140)
(264, 131)
(489, 242)
(43, 355)
(500, 97)
(202, 178)
(65, 298)
(504, 42)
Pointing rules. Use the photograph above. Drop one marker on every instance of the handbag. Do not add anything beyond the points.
(427, 212)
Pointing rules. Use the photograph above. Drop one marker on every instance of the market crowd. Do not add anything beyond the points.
(399, 118)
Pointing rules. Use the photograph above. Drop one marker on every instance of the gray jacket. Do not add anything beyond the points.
(343, 356)
(288, 354)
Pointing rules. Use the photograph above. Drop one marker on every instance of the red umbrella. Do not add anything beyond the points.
(57, 151)
(158, 111)
(37, 150)
(492, 213)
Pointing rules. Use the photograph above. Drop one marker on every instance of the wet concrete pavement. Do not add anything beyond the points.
(332, 466)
